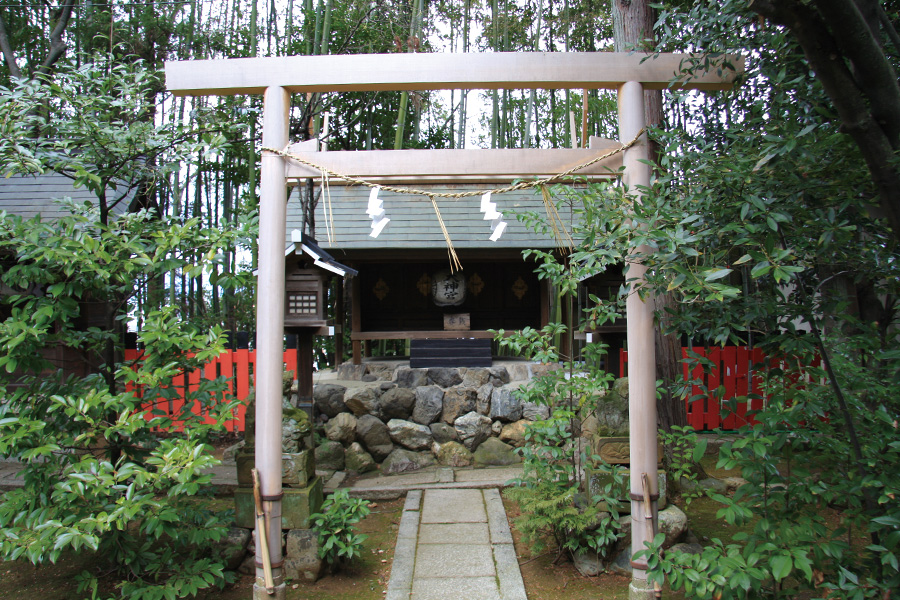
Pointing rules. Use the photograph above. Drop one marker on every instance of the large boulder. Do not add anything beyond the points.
(483, 399)
(514, 433)
(499, 376)
(381, 371)
(411, 378)
(505, 406)
(673, 523)
(358, 460)
(472, 429)
(363, 401)
(410, 435)
(457, 402)
(621, 565)
(397, 403)
(342, 428)
(350, 372)
(429, 404)
(535, 412)
(233, 547)
(374, 436)
(588, 563)
(476, 377)
(444, 376)
(494, 453)
(443, 433)
(329, 399)
(454, 454)
(330, 456)
(402, 461)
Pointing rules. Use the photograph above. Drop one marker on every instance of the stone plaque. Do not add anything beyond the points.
(457, 322)
(615, 450)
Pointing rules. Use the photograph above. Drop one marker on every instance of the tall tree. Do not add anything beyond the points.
(41, 64)
(849, 44)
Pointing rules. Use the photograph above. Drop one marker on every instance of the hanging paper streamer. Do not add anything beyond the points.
(377, 213)
(498, 225)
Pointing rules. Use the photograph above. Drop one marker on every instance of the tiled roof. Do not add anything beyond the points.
(28, 195)
(414, 223)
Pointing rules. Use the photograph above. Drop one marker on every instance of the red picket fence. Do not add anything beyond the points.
(239, 366)
(731, 370)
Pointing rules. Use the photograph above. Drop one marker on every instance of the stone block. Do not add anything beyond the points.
(296, 506)
(412, 436)
(297, 469)
(505, 406)
(398, 403)
(301, 560)
(341, 428)
(363, 401)
(244, 463)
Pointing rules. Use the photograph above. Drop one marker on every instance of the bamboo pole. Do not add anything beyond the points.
(641, 352)
(270, 332)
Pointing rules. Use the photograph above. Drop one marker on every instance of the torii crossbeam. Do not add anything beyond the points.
(277, 77)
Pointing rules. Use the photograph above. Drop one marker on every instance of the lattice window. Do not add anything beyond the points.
(302, 304)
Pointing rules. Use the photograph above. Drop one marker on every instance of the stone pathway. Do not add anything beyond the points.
(455, 544)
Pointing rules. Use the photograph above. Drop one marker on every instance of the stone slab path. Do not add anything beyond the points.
(455, 544)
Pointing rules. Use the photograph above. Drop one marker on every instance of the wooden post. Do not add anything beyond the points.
(641, 352)
(270, 333)
(305, 370)
(356, 318)
(339, 322)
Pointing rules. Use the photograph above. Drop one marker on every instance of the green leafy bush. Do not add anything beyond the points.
(553, 495)
(686, 450)
(102, 473)
(339, 542)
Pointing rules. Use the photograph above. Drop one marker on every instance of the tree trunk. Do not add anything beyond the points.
(849, 60)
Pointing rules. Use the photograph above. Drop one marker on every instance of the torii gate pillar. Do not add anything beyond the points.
(641, 352)
(270, 332)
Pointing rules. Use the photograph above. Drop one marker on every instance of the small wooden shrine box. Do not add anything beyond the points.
(304, 302)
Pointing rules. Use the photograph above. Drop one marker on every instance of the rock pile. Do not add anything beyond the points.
(405, 419)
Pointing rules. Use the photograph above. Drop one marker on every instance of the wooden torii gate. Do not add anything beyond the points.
(278, 77)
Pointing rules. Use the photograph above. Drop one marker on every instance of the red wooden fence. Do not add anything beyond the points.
(238, 366)
(728, 377)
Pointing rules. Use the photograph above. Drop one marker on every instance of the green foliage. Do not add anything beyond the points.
(98, 476)
(758, 226)
(554, 498)
(686, 452)
(338, 541)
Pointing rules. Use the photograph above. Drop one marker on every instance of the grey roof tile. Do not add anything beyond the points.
(30, 195)
(414, 223)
